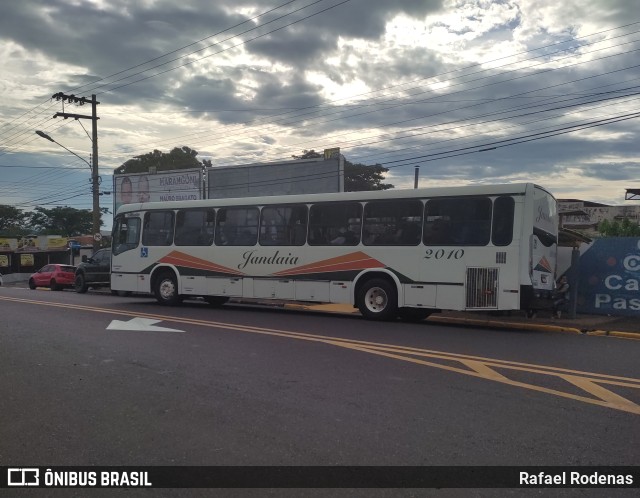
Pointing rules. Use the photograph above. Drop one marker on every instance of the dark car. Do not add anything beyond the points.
(56, 277)
(94, 271)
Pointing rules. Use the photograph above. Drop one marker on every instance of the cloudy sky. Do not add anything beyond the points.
(472, 91)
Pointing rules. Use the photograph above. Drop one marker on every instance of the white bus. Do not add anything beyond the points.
(390, 253)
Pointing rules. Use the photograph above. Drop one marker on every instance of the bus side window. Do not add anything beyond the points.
(503, 212)
(396, 223)
(283, 225)
(462, 221)
(158, 228)
(237, 227)
(335, 223)
(194, 227)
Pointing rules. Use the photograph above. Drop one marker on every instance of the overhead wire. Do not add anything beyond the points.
(297, 117)
(230, 137)
(214, 44)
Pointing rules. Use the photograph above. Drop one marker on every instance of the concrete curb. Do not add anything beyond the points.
(505, 325)
(616, 333)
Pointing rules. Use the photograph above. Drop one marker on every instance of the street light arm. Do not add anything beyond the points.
(44, 135)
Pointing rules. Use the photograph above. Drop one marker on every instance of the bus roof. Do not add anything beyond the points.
(500, 189)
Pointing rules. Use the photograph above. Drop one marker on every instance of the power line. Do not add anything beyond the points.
(230, 138)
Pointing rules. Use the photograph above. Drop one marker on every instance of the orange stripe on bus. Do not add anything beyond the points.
(353, 261)
(181, 259)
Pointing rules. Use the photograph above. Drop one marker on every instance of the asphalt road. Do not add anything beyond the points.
(246, 385)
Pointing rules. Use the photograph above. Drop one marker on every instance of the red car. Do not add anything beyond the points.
(56, 277)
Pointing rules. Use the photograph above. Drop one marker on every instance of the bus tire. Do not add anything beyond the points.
(378, 300)
(216, 301)
(166, 289)
(413, 315)
(80, 284)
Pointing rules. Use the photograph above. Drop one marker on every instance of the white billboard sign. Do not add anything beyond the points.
(165, 186)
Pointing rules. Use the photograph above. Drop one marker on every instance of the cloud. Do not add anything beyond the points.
(386, 81)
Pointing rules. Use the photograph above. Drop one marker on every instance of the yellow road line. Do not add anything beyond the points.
(474, 366)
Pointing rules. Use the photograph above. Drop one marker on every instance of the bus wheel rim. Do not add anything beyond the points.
(167, 289)
(376, 299)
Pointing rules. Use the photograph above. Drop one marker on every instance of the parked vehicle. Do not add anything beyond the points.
(94, 271)
(55, 276)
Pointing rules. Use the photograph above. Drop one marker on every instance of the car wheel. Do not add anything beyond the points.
(81, 285)
(166, 289)
(378, 300)
(32, 284)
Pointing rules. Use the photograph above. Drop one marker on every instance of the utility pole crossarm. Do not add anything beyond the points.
(66, 115)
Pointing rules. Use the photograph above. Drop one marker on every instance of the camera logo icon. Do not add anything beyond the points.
(23, 477)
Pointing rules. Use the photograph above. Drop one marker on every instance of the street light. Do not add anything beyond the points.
(95, 183)
(44, 135)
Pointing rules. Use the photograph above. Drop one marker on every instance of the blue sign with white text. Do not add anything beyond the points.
(610, 277)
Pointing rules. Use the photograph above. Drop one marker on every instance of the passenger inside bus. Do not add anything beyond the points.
(345, 237)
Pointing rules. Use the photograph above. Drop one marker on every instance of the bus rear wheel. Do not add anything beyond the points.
(378, 300)
(166, 289)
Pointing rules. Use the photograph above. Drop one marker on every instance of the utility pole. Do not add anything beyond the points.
(95, 178)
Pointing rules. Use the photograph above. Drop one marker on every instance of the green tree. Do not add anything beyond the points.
(64, 221)
(12, 221)
(625, 228)
(357, 177)
(178, 158)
